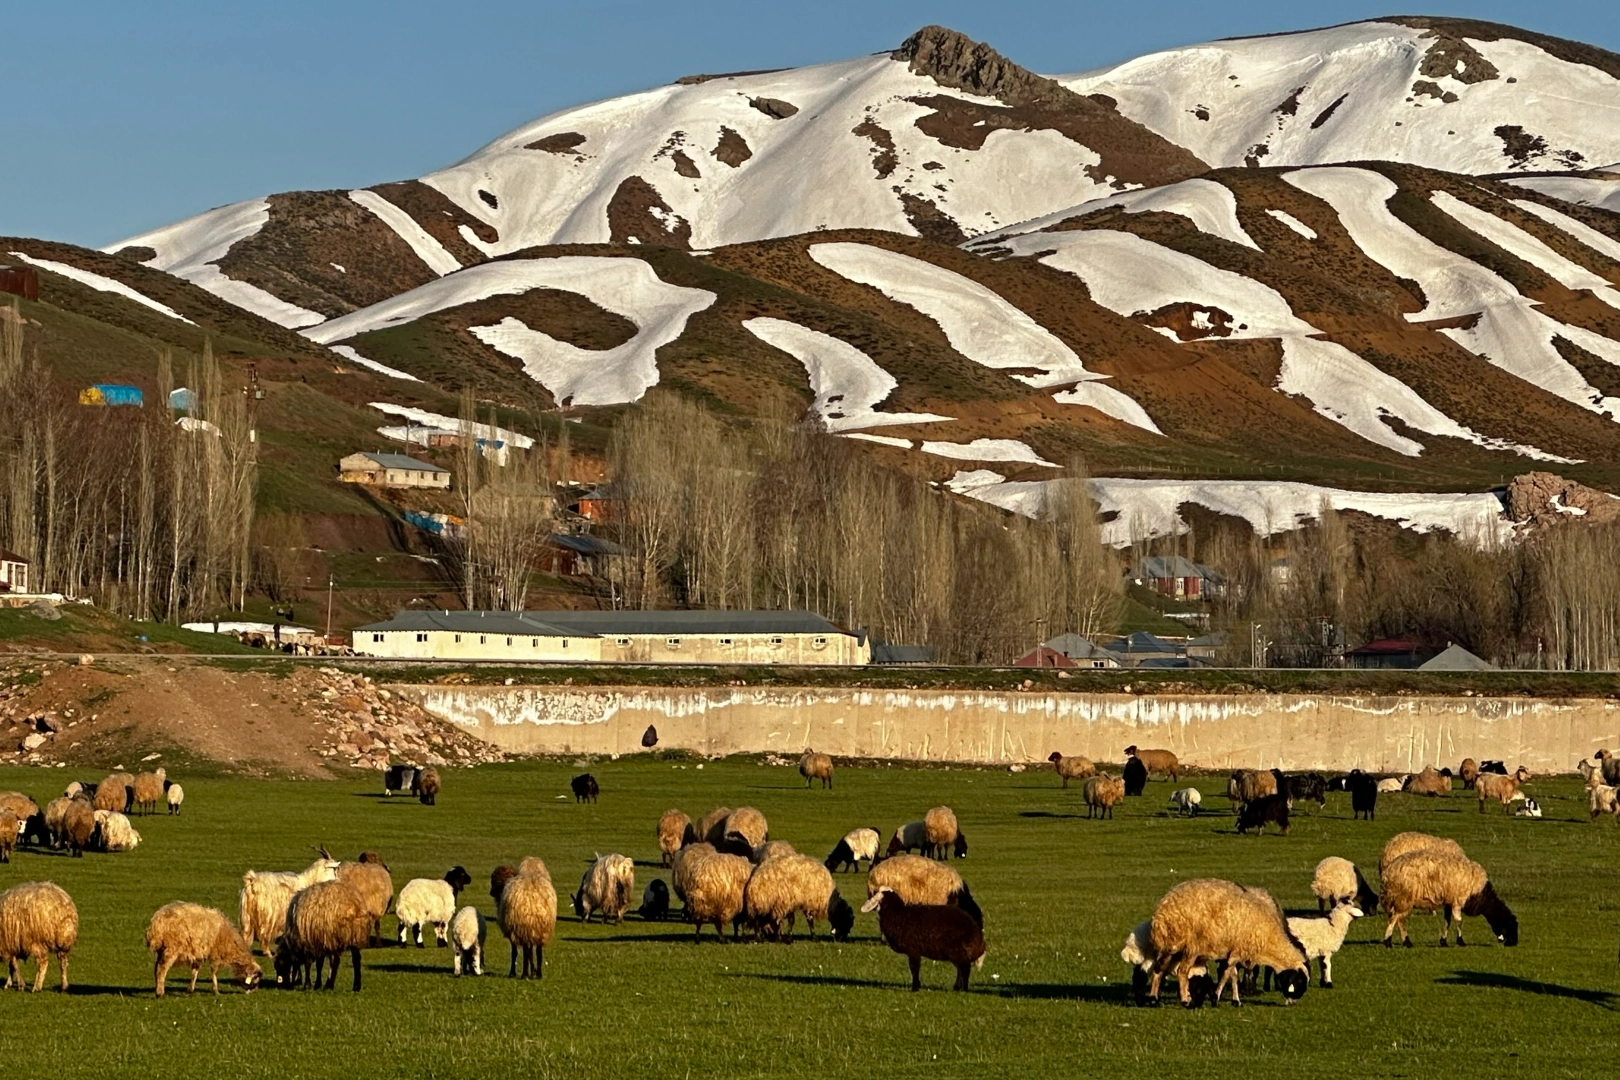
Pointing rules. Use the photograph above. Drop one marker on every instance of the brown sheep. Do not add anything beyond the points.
(1429, 880)
(55, 816)
(146, 792)
(922, 881)
(1103, 793)
(1159, 761)
(1403, 843)
(674, 831)
(1430, 781)
(79, 826)
(814, 766)
(943, 833)
(1501, 788)
(182, 933)
(37, 919)
(375, 885)
(427, 786)
(606, 887)
(684, 864)
(772, 849)
(711, 827)
(115, 792)
(9, 828)
(747, 825)
(527, 913)
(714, 892)
(782, 887)
(1072, 768)
(498, 878)
(1204, 920)
(266, 893)
(1338, 881)
(18, 804)
(1468, 771)
(1246, 785)
(933, 932)
(324, 921)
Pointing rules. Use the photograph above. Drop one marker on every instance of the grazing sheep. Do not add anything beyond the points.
(266, 893)
(814, 766)
(1206, 919)
(74, 788)
(711, 827)
(1430, 880)
(922, 881)
(78, 826)
(1430, 781)
(176, 796)
(1187, 801)
(1530, 809)
(9, 828)
(1603, 799)
(1258, 813)
(527, 913)
(1500, 768)
(1135, 778)
(115, 792)
(912, 836)
(1246, 785)
(1103, 793)
(1324, 937)
(939, 825)
(1338, 881)
(427, 786)
(1391, 784)
(400, 778)
(714, 892)
(1607, 762)
(18, 804)
(840, 916)
(928, 931)
(684, 863)
(746, 828)
(467, 930)
(1072, 768)
(430, 902)
(1305, 787)
(1406, 842)
(655, 901)
(1140, 953)
(781, 888)
(1159, 761)
(771, 849)
(324, 921)
(56, 817)
(606, 887)
(585, 788)
(674, 832)
(147, 791)
(1500, 788)
(371, 879)
(115, 832)
(498, 878)
(1468, 772)
(856, 845)
(182, 933)
(37, 919)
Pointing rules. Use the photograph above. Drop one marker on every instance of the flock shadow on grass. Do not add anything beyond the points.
(1496, 980)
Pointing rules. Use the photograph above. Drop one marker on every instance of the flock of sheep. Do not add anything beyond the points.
(725, 868)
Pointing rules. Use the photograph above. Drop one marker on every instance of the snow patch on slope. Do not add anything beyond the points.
(432, 421)
(100, 283)
(1599, 242)
(1293, 223)
(1210, 206)
(427, 248)
(348, 352)
(190, 248)
(1581, 190)
(848, 384)
(1515, 241)
(1010, 450)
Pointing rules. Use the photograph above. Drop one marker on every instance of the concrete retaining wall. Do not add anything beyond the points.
(1385, 734)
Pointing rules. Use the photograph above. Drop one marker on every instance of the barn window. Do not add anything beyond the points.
(376, 637)
(725, 641)
(458, 639)
(673, 642)
(820, 642)
(622, 643)
(565, 643)
(482, 639)
(421, 637)
(508, 643)
(776, 641)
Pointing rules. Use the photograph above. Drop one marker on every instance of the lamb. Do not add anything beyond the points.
(182, 933)
(1103, 793)
(685, 862)
(779, 889)
(324, 921)
(1140, 953)
(674, 832)
(912, 836)
(1322, 938)
(655, 901)
(606, 887)
(771, 849)
(371, 879)
(1530, 809)
(814, 766)
(714, 892)
(1187, 801)
(467, 931)
(176, 796)
(146, 791)
(1468, 772)
(1406, 842)
(78, 826)
(1258, 813)
(37, 919)
(1135, 777)
(430, 902)
(939, 825)
(427, 786)
(115, 792)
(856, 845)
(1072, 768)
(115, 831)
(711, 827)
(1393, 783)
(1500, 788)
(266, 894)
(1246, 785)
(527, 913)
(1430, 880)
(1430, 782)
(840, 916)
(934, 932)
(922, 881)
(585, 788)
(1159, 761)
(1206, 919)
(1338, 881)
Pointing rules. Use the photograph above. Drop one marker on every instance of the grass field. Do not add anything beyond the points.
(1059, 894)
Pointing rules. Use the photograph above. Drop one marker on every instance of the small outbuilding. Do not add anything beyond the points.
(392, 470)
(13, 572)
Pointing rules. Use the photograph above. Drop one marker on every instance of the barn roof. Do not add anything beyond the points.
(607, 623)
(400, 461)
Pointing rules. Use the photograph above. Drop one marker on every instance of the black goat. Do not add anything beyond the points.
(1307, 786)
(585, 788)
(1267, 809)
(1363, 791)
(1136, 775)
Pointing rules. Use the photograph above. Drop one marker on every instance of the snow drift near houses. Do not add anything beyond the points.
(99, 282)
(1143, 509)
(424, 422)
(624, 286)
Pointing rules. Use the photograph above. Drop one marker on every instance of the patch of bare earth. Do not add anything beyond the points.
(638, 213)
(440, 218)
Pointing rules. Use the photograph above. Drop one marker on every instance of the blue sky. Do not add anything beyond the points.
(123, 116)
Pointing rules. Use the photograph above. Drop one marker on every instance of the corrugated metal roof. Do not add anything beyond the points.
(607, 623)
(1172, 566)
(400, 461)
(1076, 647)
(471, 622)
(586, 545)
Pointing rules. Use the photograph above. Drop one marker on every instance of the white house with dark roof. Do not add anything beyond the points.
(13, 572)
(637, 637)
(392, 470)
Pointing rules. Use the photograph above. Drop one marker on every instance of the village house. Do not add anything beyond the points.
(1391, 653)
(568, 555)
(1174, 576)
(1069, 651)
(13, 572)
(391, 470)
(599, 504)
(641, 637)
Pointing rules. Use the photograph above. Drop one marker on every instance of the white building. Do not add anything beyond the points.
(392, 470)
(13, 572)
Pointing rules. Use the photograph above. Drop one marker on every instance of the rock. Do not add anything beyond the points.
(1541, 499)
(33, 742)
(46, 610)
(85, 660)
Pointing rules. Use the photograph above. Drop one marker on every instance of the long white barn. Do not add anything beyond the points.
(643, 637)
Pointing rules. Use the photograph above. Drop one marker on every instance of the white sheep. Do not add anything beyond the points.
(1393, 783)
(1530, 809)
(117, 834)
(1187, 801)
(467, 939)
(266, 893)
(429, 902)
(1324, 937)
(1140, 953)
(176, 795)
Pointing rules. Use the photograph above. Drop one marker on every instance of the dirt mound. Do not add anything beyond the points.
(311, 722)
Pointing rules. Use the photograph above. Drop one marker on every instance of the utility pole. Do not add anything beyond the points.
(254, 395)
(330, 581)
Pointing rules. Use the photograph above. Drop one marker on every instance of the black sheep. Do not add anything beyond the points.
(1267, 809)
(841, 916)
(963, 899)
(401, 778)
(585, 788)
(1363, 791)
(959, 846)
(1307, 786)
(928, 931)
(655, 901)
(1497, 767)
(1135, 775)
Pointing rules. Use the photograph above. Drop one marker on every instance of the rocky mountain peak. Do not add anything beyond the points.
(953, 59)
